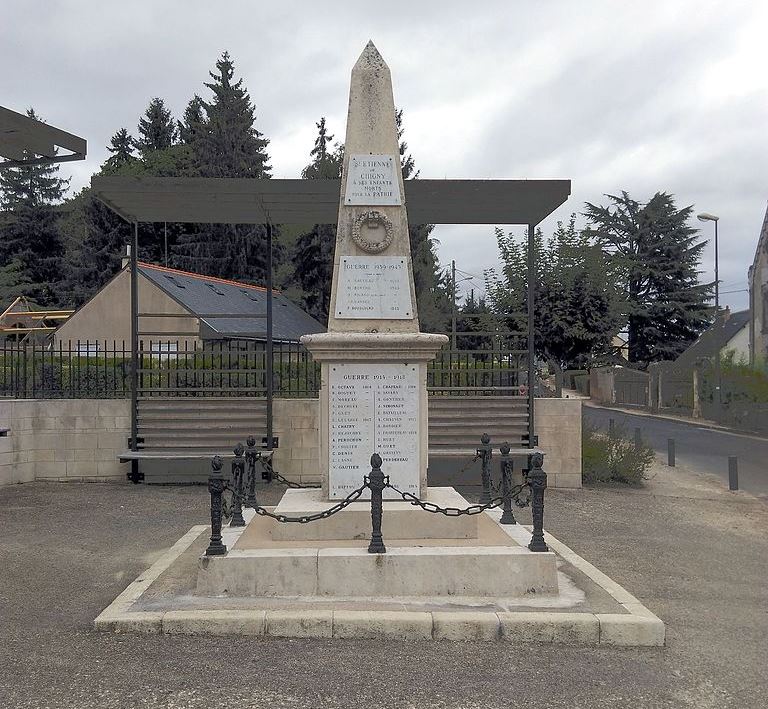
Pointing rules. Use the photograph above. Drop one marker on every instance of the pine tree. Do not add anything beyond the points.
(228, 144)
(222, 141)
(654, 255)
(313, 252)
(121, 146)
(157, 128)
(432, 296)
(30, 243)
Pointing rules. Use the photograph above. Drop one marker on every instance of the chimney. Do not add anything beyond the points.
(127, 258)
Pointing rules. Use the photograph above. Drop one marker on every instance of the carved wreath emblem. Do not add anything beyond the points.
(372, 231)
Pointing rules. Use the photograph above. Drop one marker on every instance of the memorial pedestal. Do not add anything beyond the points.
(373, 399)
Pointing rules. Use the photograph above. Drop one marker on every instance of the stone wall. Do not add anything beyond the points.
(558, 426)
(296, 424)
(63, 439)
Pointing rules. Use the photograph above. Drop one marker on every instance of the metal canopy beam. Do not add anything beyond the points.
(243, 201)
(22, 137)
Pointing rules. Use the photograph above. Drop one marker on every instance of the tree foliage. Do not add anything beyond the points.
(575, 300)
(653, 254)
(157, 128)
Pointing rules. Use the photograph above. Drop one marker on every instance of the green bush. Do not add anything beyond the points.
(614, 458)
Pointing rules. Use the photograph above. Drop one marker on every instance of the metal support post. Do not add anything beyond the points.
(216, 488)
(135, 476)
(671, 452)
(270, 347)
(453, 305)
(238, 473)
(537, 479)
(485, 453)
(376, 485)
(733, 472)
(531, 331)
(611, 427)
(506, 485)
(251, 456)
(638, 437)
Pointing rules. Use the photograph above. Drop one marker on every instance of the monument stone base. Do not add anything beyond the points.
(354, 522)
(428, 555)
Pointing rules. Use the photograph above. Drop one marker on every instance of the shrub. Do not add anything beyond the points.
(614, 458)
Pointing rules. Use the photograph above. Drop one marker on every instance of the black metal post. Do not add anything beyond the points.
(638, 438)
(216, 488)
(671, 452)
(531, 331)
(611, 426)
(135, 475)
(537, 479)
(733, 472)
(376, 484)
(506, 485)
(485, 470)
(251, 456)
(270, 345)
(238, 473)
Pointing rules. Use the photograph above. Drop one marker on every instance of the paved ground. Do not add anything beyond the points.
(696, 555)
(700, 447)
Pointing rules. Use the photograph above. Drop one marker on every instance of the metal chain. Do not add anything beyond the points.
(455, 511)
(289, 483)
(348, 500)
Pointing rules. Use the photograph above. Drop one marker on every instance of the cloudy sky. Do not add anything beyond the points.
(614, 94)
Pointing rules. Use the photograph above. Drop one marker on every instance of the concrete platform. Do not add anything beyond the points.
(401, 520)
(443, 571)
(590, 608)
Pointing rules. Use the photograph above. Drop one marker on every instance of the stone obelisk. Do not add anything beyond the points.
(373, 358)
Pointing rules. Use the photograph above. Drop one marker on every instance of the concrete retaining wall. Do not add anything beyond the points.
(63, 439)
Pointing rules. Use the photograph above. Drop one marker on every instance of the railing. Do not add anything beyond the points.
(170, 368)
(527, 489)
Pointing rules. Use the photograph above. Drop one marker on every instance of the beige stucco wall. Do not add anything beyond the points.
(107, 316)
(64, 439)
(739, 345)
(557, 421)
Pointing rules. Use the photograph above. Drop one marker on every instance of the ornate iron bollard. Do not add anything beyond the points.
(376, 483)
(506, 485)
(238, 474)
(251, 456)
(485, 455)
(537, 479)
(216, 488)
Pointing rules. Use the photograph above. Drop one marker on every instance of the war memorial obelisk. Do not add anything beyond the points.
(373, 358)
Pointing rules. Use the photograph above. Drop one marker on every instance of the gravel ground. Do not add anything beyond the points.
(695, 554)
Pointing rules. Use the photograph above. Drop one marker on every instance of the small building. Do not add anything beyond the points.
(758, 298)
(728, 335)
(181, 309)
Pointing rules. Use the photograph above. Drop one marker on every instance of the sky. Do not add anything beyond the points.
(641, 96)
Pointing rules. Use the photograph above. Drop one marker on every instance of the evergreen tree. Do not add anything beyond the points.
(576, 312)
(157, 129)
(222, 141)
(313, 252)
(30, 243)
(121, 146)
(481, 320)
(227, 143)
(432, 296)
(654, 255)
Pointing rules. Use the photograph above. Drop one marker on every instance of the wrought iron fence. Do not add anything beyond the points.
(168, 368)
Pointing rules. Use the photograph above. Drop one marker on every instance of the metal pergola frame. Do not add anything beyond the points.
(275, 201)
(22, 136)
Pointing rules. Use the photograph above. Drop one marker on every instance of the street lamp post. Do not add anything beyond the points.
(706, 217)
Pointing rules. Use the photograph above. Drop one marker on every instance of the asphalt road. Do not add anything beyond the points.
(698, 447)
(697, 556)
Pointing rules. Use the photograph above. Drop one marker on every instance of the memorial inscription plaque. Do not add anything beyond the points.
(373, 408)
(374, 288)
(372, 180)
